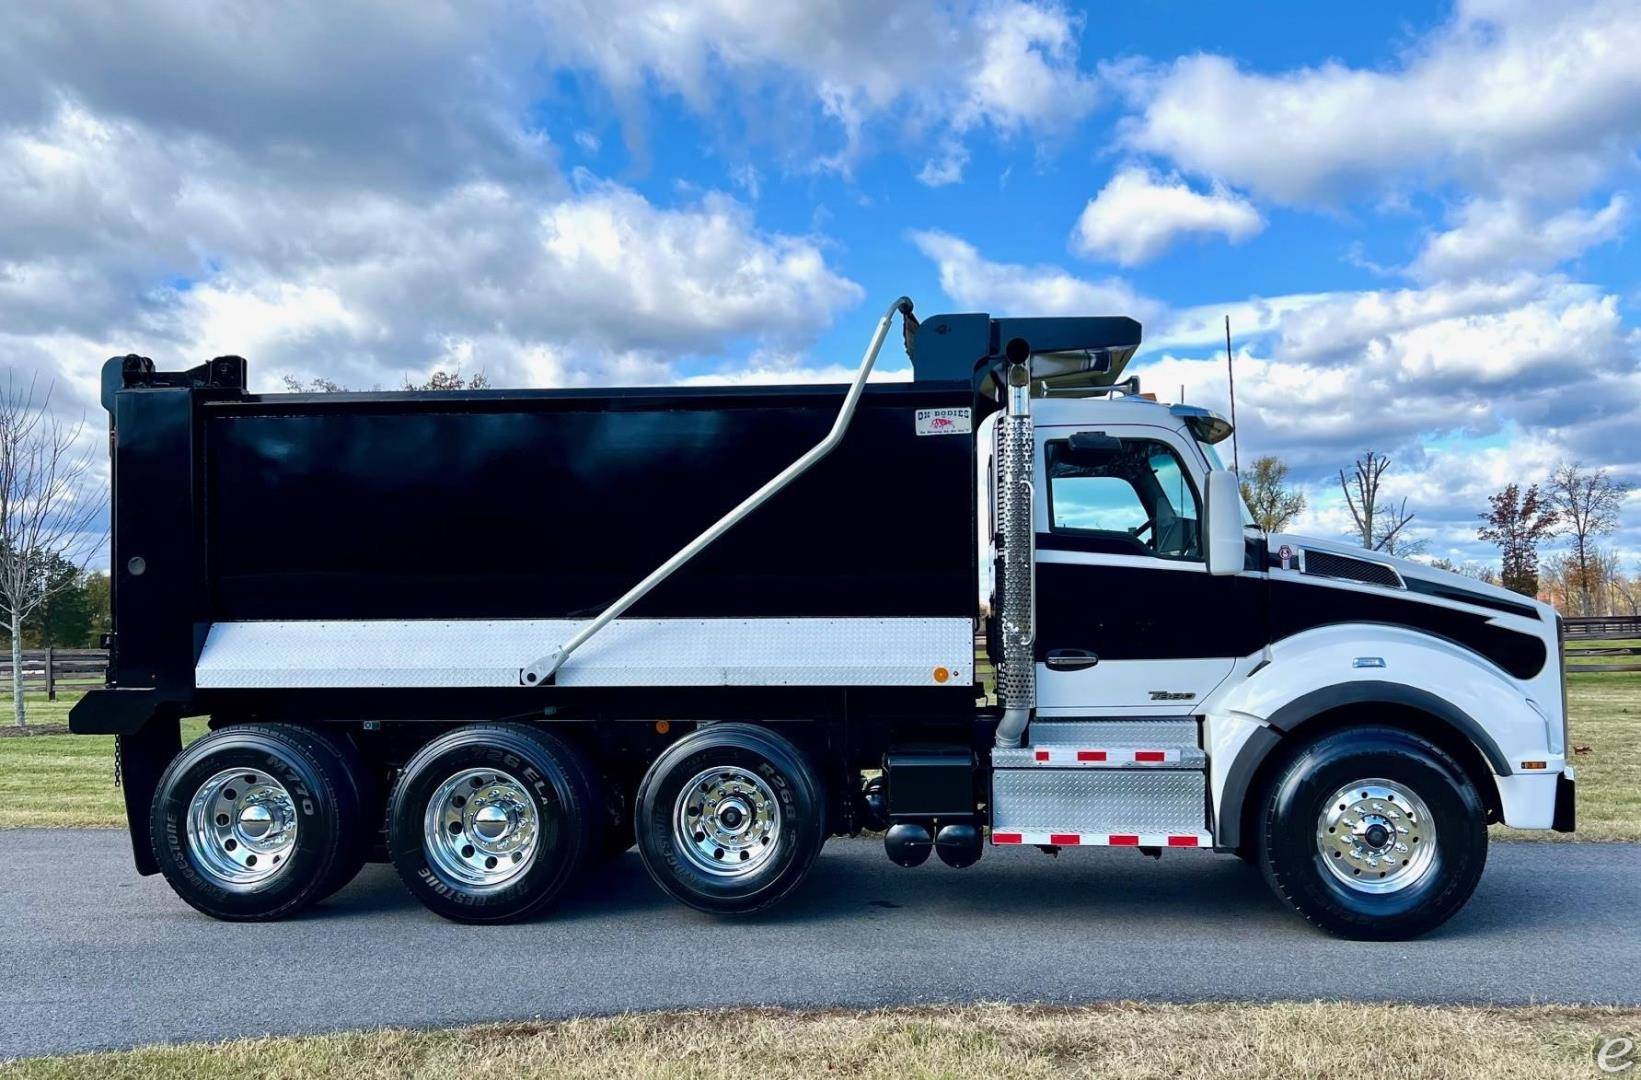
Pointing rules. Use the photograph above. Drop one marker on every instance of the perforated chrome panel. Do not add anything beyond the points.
(1016, 454)
(1098, 801)
(630, 652)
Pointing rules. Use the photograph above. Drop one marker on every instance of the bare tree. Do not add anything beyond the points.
(316, 385)
(1479, 571)
(1271, 501)
(452, 380)
(439, 380)
(1607, 568)
(47, 512)
(1379, 525)
(1588, 504)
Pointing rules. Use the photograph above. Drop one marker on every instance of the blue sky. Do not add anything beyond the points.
(1419, 217)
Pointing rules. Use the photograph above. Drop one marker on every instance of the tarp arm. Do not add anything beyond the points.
(542, 670)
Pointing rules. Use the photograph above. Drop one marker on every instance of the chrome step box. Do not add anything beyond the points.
(1137, 807)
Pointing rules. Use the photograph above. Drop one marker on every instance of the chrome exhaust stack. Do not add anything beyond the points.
(1016, 451)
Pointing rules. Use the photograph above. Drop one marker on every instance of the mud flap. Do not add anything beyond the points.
(143, 756)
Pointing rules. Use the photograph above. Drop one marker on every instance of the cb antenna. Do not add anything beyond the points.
(1230, 374)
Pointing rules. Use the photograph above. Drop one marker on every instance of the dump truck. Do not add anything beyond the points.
(497, 636)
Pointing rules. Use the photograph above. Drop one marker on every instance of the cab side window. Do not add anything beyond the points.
(1122, 496)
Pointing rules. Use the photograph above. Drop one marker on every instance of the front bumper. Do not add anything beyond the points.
(1565, 809)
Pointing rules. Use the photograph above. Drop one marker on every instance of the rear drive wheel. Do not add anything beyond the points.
(730, 818)
(1374, 834)
(257, 821)
(490, 823)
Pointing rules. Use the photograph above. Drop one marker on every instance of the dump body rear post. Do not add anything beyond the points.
(1167, 678)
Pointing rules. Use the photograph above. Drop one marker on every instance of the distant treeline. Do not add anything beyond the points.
(74, 614)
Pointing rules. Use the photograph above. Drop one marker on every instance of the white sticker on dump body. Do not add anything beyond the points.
(943, 422)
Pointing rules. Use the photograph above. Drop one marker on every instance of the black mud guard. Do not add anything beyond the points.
(148, 734)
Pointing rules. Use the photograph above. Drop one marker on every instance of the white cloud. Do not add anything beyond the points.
(977, 283)
(1490, 237)
(1138, 215)
(923, 66)
(1403, 370)
(1027, 72)
(124, 239)
(396, 95)
(1510, 94)
(766, 368)
(946, 167)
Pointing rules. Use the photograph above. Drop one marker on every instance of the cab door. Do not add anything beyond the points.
(1128, 618)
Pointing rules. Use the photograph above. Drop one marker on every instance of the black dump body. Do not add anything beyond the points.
(231, 506)
(236, 507)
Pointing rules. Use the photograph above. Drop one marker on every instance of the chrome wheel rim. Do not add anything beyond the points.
(1376, 836)
(481, 828)
(241, 828)
(727, 822)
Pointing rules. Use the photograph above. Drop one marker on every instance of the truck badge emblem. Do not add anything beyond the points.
(1285, 553)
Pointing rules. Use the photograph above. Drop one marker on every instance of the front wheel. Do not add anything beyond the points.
(730, 818)
(1374, 834)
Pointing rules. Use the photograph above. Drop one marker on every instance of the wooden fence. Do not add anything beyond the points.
(79, 669)
(1602, 627)
(54, 669)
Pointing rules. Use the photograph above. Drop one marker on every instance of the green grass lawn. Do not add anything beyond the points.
(1605, 736)
(1626, 643)
(78, 769)
(1250, 1042)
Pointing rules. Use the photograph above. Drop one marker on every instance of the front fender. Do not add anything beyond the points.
(1323, 669)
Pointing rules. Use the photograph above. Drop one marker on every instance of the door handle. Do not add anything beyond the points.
(1071, 659)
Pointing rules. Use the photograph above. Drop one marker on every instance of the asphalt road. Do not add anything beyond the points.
(93, 956)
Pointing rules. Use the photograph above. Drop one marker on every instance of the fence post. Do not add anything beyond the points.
(51, 674)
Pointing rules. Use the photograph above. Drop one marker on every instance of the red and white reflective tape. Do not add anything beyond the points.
(1115, 755)
(1069, 839)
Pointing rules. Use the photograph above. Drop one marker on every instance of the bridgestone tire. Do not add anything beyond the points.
(1293, 866)
(330, 821)
(558, 782)
(787, 773)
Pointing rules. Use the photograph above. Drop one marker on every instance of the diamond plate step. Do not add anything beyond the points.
(1145, 743)
(1101, 756)
(1115, 806)
(1143, 731)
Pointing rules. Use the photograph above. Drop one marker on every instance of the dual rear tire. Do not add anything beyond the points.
(730, 818)
(490, 823)
(260, 821)
(487, 823)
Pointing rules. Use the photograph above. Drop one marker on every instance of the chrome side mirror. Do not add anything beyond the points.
(1226, 550)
